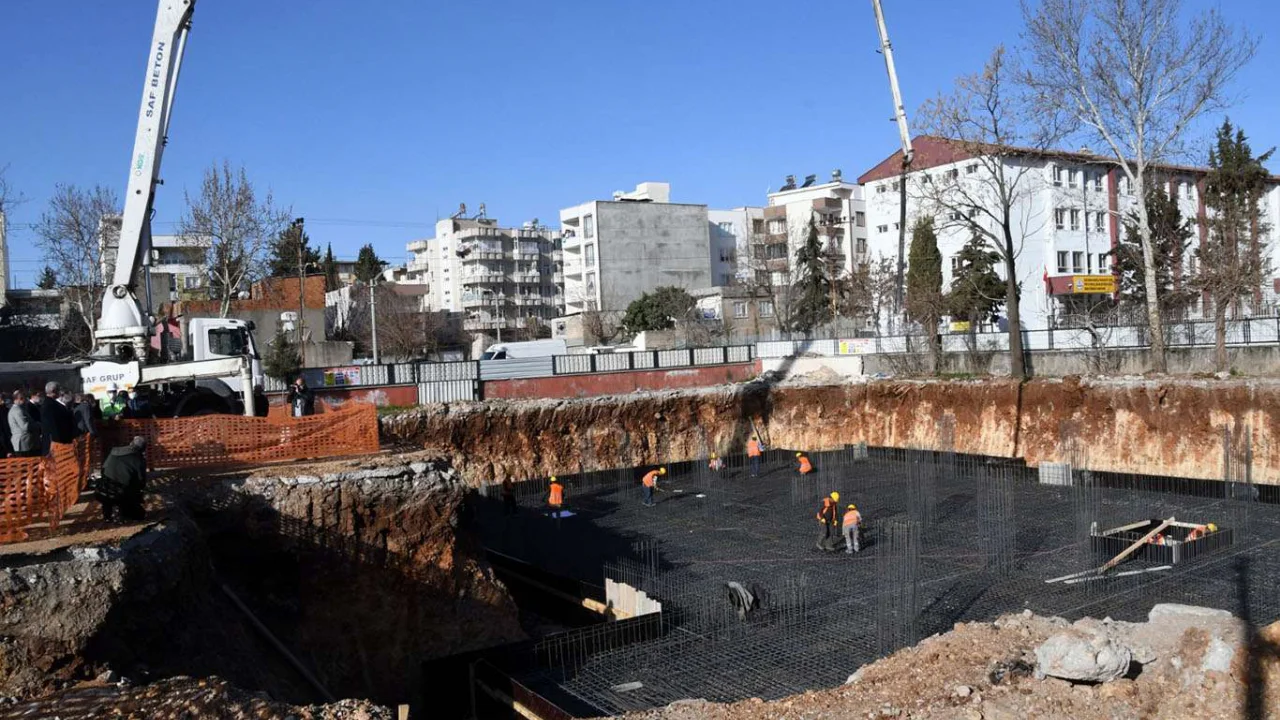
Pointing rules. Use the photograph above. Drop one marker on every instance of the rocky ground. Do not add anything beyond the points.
(1183, 663)
(182, 697)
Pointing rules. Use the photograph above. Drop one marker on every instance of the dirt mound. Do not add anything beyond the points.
(987, 670)
(183, 697)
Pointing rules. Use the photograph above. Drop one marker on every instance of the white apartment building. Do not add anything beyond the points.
(178, 264)
(839, 211)
(500, 277)
(1068, 217)
(731, 233)
(615, 250)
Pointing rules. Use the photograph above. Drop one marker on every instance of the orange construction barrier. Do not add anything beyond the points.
(34, 490)
(230, 440)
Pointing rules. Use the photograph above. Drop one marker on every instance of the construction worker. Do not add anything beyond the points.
(555, 497)
(806, 467)
(755, 449)
(827, 515)
(716, 464)
(650, 483)
(1200, 531)
(851, 522)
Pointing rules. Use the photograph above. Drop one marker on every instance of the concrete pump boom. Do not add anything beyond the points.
(122, 330)
(908, 154)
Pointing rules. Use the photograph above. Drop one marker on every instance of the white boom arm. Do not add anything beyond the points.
(899, 112)
(122, 324)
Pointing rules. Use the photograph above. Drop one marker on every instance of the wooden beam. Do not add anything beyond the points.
(520, 708)
(1134, 547)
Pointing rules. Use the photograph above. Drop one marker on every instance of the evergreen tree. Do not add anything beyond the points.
(330, 268)
(1170, 238)
(283, 361)
(1233, 259)
(976, 290)
(812, 288)
(925, 301)
(48, 279)
(368, 264)
(659, 310)
(284, 252)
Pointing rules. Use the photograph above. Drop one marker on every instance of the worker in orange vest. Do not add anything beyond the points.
(555, 498)
(650, 483)
(851, 522)
(828, 516)
(806, 467)
(755, 449)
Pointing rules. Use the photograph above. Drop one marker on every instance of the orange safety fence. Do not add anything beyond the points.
(231, 440)
(36, 490)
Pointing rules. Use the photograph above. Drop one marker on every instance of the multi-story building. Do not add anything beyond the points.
(731, 233)
(615, 250)
(836, 208)
(1067, 217)
(178, 265)
(502, 278)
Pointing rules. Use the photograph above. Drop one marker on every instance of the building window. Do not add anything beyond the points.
(951, 174)
(765, 309)
(739, 310)
(862, 246)
(757, 225)
(1071, 178)
(1057, 175)
(860, 218)
(591, 283)
(191, 282)
(1062, 262)
(1077, 262)
(955, 265)
(926, 179)
(956, 215)
(1060, 218)
(897, 226)
(728, 255)
(1126, 186)
(762, 278)
(1075, 219)
(1102, 263)
(897, 184)
(777, 227)
(776, 252)
(725, 227)
(973, 213)
(882, 228)
(971, 169)
(881, 188)
(1097, 182)
(589, 253)
(1100, 221)
(588, 226)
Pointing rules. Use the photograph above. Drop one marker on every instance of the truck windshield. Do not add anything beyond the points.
(228, 342)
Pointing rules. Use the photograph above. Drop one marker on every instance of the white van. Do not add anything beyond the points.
(527, 349)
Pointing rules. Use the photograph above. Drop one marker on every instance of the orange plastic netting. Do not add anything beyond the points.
(40, 490)
(223, 440)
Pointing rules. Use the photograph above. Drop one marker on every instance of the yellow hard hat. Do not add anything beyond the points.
(713, 456)
(835, 496)
(852, 506)
(799, 454)
(1213, 528)
(553, 479)
(662, 471)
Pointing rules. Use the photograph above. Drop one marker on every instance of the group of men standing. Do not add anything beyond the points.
(32, 424)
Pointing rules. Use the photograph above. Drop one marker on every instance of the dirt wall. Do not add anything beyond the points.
(1169, 427)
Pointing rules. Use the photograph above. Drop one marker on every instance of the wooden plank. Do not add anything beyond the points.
(507, 700)
(1122, 528)
(1134, 547)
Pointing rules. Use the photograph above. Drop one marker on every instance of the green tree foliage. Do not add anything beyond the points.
(48, 279)
(812, 289)
(329, 266)
(659, 310)
(924, 276)
(283, 261)
(976, 290)
(368, 265)
(1234, 258)
(1170, 238)
(283, 361)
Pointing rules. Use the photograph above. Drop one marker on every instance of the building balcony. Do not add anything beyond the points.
(417, 246)
(773, 239)
(477, 255)
(481, 300)
(775, 211)
(528, 278)
(557, 277)
(529, 301)
(484, 279)
(480, 232)
(777, 264)
(827, 204)
(417, 266)
(486, 324)
(831, 231)
(557, 256)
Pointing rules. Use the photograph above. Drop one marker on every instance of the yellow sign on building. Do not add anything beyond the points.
(1093, 284)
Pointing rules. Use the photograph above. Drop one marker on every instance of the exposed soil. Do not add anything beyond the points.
(985, 670)
(1159, 427)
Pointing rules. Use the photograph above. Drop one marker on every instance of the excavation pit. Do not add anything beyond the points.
(1176, 543)
(946, 538)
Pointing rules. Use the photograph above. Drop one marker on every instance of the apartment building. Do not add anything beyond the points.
(178, 265)
(502, 278)
(615, 250)
(731, 233)
(1068, 216)
(837, 208)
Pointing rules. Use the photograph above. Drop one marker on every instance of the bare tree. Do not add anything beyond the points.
(9, 197)
(236, 227)
(987, 191)
(71, 234)
(1125, 75)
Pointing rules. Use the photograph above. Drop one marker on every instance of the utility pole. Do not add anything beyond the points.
(373, 321)
(302, 292)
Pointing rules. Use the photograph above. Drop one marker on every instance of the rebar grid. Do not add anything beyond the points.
(948, 538)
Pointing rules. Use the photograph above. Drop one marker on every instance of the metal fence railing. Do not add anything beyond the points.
(654, 359)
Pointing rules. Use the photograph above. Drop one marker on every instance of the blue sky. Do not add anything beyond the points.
(371, 119)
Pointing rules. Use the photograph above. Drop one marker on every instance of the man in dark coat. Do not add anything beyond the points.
(124, 479)
(56, 420)
(302, 400)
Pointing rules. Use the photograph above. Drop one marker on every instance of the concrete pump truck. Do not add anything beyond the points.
(219, 371)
